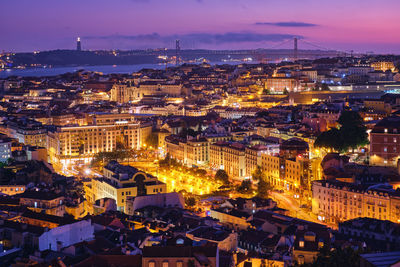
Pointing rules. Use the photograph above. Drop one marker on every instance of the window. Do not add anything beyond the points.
(301, 243)
(179, 264)
(165, 264)
(386, 130)
(152, 264)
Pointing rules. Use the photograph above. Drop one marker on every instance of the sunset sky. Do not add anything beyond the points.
(367, 25)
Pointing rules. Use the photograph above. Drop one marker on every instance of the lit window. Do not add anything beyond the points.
(386, 130)
(301, 243)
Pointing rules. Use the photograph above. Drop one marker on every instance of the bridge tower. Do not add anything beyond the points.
(295, 50)
(177, 52)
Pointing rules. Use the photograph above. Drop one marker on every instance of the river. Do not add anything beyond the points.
(106, 69)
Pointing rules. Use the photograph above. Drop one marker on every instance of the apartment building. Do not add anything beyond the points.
(216, 155)
(191, 152)
(126, 92)
(253, 158)
(385, 142)
(26, 131)
(45, 202)
(279, 84)
(383, 66)
(234, 160)
(80, 143)
(120, 182)
(336, 201)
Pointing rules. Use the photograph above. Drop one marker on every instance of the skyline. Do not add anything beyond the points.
(222, 24)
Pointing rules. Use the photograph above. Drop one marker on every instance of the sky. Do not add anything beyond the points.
(344, 25)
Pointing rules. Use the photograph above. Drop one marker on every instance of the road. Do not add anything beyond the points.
(293, 206)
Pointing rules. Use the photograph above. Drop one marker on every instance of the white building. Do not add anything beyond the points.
(66, 235)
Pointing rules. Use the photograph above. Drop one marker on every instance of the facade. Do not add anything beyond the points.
(124, 93)
(71, 143)
(289, 174)
(253, 158)
(232, 218)
(180, 255)
(191, 152)
(12, 189)
(385, 142)
(5, 149)
(384, 66)
(120, 182)
(234, 160)
(197, 151)
(279, 84)
(47, 202)
(66, 235)
(335, 201)
(26, 131)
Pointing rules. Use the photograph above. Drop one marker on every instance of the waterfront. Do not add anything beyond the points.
(105, 69)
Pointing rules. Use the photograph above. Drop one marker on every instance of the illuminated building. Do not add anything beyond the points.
(335, 201)
(383, 66)
(124, 93)
(279, 84)
(71, 143)
(46, 202)
(28, 132)
(378, 105)
(12, 189)
(385, 142)
(120, 182)
(191, 152)
(234, 160)
(5, 148)
(253, 158)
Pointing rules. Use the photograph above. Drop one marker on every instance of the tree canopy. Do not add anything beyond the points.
(262, 186)
(222, 176)
(351, 134)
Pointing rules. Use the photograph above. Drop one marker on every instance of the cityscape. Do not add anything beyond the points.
(212, 135)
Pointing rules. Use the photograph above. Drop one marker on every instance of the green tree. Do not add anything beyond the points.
(222, 176)
(266, 91)
(351, 134)
(245, 187)
(325, 87)
(262, 186)
(335, 258)
(331, 139)
(285, 91)
(152, 140)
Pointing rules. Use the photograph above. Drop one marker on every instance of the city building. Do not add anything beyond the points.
(385, 142)
(335, 201)
(120, 182)
(46, 202)
(69, 144)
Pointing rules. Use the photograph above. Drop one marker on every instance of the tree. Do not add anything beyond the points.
(285, 91)
(152, 140)
(325, 87)
(257, 174)
(351, 134)
(331, 139)
(262, 186)
(190, 201)
(335, 258)
(222, 176)
(245, 187)
(266, 91)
